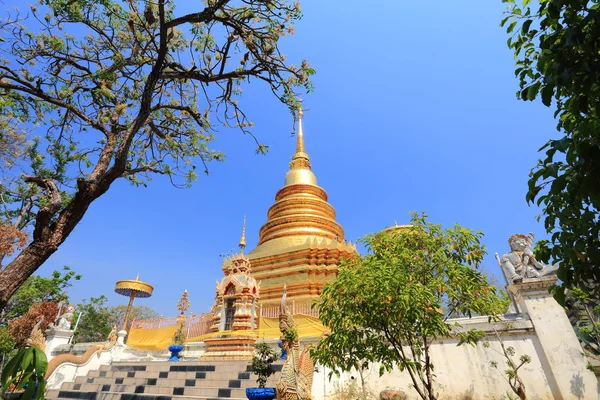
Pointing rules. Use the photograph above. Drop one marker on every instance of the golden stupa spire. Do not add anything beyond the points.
(300, 159)
(300, 136)
(301, 211)
(243, 238)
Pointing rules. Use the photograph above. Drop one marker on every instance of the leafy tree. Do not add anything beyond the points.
(556, 43)
(587, 326)
(127, 90)
(26, 371)
(20, 328)
(94, 325)
(405, 282)
(138, 313)
(261, 365)
(12, 143)
(37, 289)
(512, 367)
(7, 345)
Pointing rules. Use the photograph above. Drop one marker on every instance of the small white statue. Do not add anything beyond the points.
(520, 262)
(64, 321)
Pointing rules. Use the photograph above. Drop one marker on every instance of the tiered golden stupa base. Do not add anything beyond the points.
(229, 348)
(304, 268)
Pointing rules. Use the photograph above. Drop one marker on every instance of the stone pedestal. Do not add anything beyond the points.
(568, 376)
(55, 337)
(121, 337)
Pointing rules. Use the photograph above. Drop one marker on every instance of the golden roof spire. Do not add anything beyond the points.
(301, 211)
(300, 135)
(300, 159)
(300, 169)
(243, 238)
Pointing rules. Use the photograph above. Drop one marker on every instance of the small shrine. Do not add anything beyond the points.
(235, 309)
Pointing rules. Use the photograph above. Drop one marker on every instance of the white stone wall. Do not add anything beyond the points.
(558, 367)
(463, 372)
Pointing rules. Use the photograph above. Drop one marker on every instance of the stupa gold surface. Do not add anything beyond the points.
(301, 244)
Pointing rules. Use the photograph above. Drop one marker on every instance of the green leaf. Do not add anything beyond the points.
(547, 93)
(526, 25)
(511, 26)
(27, 358)
(10, 368)
(559, 295)
(41, 390)
(28, 393)
(41, 361)
(533, 90)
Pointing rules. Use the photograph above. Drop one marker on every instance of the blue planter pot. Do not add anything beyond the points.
(175, 349)
(260, 393)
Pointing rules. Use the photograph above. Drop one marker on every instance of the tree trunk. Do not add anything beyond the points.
(50, 235)
(363, 384)
(21, 268)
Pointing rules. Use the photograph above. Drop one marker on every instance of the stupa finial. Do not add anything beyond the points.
(300, 159)
(243, 238)
(300, 134)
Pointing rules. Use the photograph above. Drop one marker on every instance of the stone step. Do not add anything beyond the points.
(106, 384)
(130, 396)
(139, 376)
(163, 381)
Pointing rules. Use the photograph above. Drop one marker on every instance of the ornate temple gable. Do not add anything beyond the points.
(236, 308)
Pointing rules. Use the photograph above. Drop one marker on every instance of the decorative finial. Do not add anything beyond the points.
(243, 238)
(137, 278)
(184, 302)
(300, 134)
(300, 159)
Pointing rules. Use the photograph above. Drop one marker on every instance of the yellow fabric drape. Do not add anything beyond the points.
(151, 339)
(268, 328)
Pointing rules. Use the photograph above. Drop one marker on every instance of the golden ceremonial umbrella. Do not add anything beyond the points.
(132, 289)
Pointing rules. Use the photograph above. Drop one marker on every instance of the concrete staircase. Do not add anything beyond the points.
(163, 381)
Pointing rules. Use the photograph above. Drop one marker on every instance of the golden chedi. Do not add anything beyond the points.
(301, 244)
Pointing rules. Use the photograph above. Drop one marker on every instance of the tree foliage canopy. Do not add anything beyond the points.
(138, 313)
(38, 289)
(98, 319)
(556, 43)
(390, 305)
(94, 325)
(126, 90)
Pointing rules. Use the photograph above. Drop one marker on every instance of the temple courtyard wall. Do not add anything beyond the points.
(540, 329)
(465, 372)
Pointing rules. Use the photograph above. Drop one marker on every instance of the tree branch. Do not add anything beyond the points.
(45, 213)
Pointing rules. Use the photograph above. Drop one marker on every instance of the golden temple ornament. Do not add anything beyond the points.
(132, 289)
(243, 238)
(184, 302)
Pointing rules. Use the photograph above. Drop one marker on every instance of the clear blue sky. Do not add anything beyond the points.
(414, 109)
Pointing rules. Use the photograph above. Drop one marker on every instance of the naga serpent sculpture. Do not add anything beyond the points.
(295, 382)
(77, 360)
